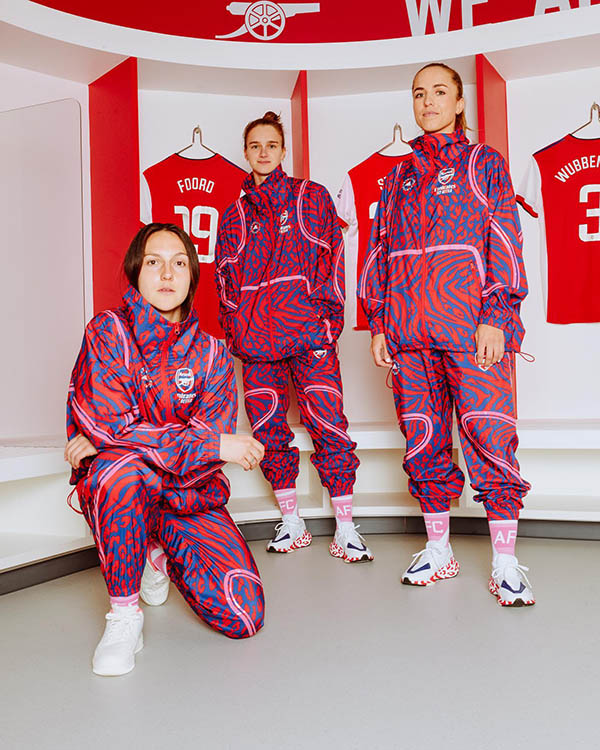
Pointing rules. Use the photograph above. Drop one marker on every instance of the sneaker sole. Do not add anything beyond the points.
(302, 541)
(451, 570)
(153, 602)
(336, 551)
(494, 590)
(138, 647)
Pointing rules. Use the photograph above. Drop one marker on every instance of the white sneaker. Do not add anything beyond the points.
(348, 544)
(291, 534)
(508, 582)
(122, 639)
(434, 563)
(154, 588)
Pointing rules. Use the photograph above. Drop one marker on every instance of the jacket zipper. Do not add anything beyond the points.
(164, 361)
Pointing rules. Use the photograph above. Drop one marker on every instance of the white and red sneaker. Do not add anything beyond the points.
(291, 534)
(348, 544)
(434, 563)
(508, 582)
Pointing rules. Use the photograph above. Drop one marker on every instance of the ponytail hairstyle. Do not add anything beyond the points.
(134, 259)
(269, 118)
(461, 119)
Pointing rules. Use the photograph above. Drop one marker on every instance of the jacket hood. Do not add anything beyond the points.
(432, 151)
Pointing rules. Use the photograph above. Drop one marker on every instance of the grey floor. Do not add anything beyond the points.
(349, 658)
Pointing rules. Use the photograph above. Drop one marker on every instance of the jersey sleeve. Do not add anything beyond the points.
(103, 405)
(372, 282)
(529, 195)
(145, 201)
(345, 204)
(505, 283)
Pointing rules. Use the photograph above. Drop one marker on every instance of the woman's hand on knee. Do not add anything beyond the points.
(489, 341)
(243, 450)
(77, 449)
(379, 350)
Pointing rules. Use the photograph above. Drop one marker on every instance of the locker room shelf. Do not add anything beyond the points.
(248, 509)
(26, 458)
(539, 434)
(24, 549)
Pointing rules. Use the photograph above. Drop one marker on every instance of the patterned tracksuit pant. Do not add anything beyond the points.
(426, 385)
(207, 558)
(318, 383)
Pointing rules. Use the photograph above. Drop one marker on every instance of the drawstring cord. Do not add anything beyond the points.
(527, 357)
(70, 504)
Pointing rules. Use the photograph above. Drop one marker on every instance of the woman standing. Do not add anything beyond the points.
(280, 274)
(442, 287)
(152, 405)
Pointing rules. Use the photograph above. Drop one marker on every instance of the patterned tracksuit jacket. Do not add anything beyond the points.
(154, 398)
(280, 275)
(445, 256)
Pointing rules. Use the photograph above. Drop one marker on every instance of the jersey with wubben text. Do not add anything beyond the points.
(562, 188)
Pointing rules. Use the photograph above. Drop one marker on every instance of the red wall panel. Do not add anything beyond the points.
(115, 178)
(301, 166)
(491, 106)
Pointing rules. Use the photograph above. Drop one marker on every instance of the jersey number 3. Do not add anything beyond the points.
(593, 213)
(193, 228)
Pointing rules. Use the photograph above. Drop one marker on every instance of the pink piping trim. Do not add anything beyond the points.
(416, 417)
(122, 336)
(228, 589)
(497, 229)
(493, 415)
(322, 422)
(336, 286)
(472, 178)
(301, 224)
(276, 280)
(273, 407)
(435, 248)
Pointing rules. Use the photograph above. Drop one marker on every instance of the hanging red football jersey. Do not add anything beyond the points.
(562, 188)
(356, 204)
(194, 193)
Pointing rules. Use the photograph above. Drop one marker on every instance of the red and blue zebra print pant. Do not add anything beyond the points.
(208, 560)
(426, 384)
(318, 383)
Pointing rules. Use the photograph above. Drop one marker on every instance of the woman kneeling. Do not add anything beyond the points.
(151, 411)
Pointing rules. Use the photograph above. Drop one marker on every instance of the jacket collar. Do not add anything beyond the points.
(272, 191)
(434, 151)
(150, 330)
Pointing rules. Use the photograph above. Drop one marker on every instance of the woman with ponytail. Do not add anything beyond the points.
(442, 288)
(280, 274)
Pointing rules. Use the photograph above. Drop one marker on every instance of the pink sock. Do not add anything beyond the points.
(288, 502)
(156, 557)
(342, 507)
(124, 601)
(504, 536)
(438, 527)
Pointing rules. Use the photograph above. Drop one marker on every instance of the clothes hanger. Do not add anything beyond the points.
(397, 146)
(593, 123)
(198, 149)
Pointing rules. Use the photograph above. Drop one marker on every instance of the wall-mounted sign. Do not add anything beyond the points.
(308, 22)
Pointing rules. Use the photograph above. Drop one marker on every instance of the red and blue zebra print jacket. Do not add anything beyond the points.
(280, 270)
(445, 249)
(164, 391)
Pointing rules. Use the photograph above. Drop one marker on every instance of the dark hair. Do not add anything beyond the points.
(269, 118)
(134, 257)
(461, 119)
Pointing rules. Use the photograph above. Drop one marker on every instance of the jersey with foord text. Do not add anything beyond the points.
(562, 189)
(194, 193)
(356, 203)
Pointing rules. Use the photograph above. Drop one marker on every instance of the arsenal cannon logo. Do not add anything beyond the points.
(266, 20)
